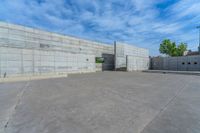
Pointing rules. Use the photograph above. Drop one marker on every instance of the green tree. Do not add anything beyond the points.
(169, 48)
(181, 48)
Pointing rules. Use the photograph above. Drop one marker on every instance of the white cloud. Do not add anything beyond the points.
(186, 8)
(136, 22)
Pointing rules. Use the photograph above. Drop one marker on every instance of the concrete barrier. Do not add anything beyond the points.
(183, 63)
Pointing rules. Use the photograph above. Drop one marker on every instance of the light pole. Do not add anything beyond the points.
(198, 27)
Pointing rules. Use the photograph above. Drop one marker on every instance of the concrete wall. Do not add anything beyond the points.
(17, 62)
(183, 63)
(135, 63)
(57, 53)
(25, 37)
(29, 51)
(130, 58)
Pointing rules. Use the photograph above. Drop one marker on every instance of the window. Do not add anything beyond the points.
(195, 63)
(183, 63)
(189, 63)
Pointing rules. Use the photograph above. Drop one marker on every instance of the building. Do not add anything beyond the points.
(29, 51)
(190, 53)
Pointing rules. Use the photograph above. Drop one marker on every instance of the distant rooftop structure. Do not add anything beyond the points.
(190, 53)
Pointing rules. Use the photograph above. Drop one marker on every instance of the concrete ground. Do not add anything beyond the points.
(105, 102)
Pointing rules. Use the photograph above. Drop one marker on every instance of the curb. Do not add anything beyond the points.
(196, 73)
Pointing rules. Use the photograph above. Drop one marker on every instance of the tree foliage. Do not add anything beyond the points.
(170, 48)
(99, 60)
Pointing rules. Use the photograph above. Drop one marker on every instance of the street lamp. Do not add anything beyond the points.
(198, 27)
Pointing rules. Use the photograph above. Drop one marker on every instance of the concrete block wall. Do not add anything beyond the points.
(131, 58)
(156, 63)
(26, 50)
(49, 52)
(135, 63)
(25, 37)
(183, 63)
(99, 67)
(21, 62)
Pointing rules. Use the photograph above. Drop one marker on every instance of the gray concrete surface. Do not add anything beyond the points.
(105, 102)
(182, 63)
(29, 51)
(130, 57)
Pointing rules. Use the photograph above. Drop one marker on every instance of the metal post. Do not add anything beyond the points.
(198, 27)
(54, 61)
(115, 51)
(0, 61)
(199, 39)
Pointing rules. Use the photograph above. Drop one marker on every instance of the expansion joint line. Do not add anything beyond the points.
(19, 98)
(166, 105)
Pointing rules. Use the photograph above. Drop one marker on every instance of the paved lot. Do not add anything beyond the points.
(106, 102)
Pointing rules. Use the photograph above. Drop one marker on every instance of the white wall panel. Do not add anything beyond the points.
(39, 61)
(131, 57)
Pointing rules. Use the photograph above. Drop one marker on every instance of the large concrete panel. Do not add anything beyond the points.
(27, 50)
(138, 58)
(27, 61)
(194, 63)
(182, 63)
(25, 37)
(137, 63)
(172, 63)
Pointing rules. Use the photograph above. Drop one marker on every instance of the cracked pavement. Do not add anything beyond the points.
(104, 102)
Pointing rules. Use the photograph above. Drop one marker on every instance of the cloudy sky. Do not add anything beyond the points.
(143, 23)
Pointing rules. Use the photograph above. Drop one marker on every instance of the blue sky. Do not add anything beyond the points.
(143, 23)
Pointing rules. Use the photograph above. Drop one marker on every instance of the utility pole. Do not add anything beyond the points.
(198, 27)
